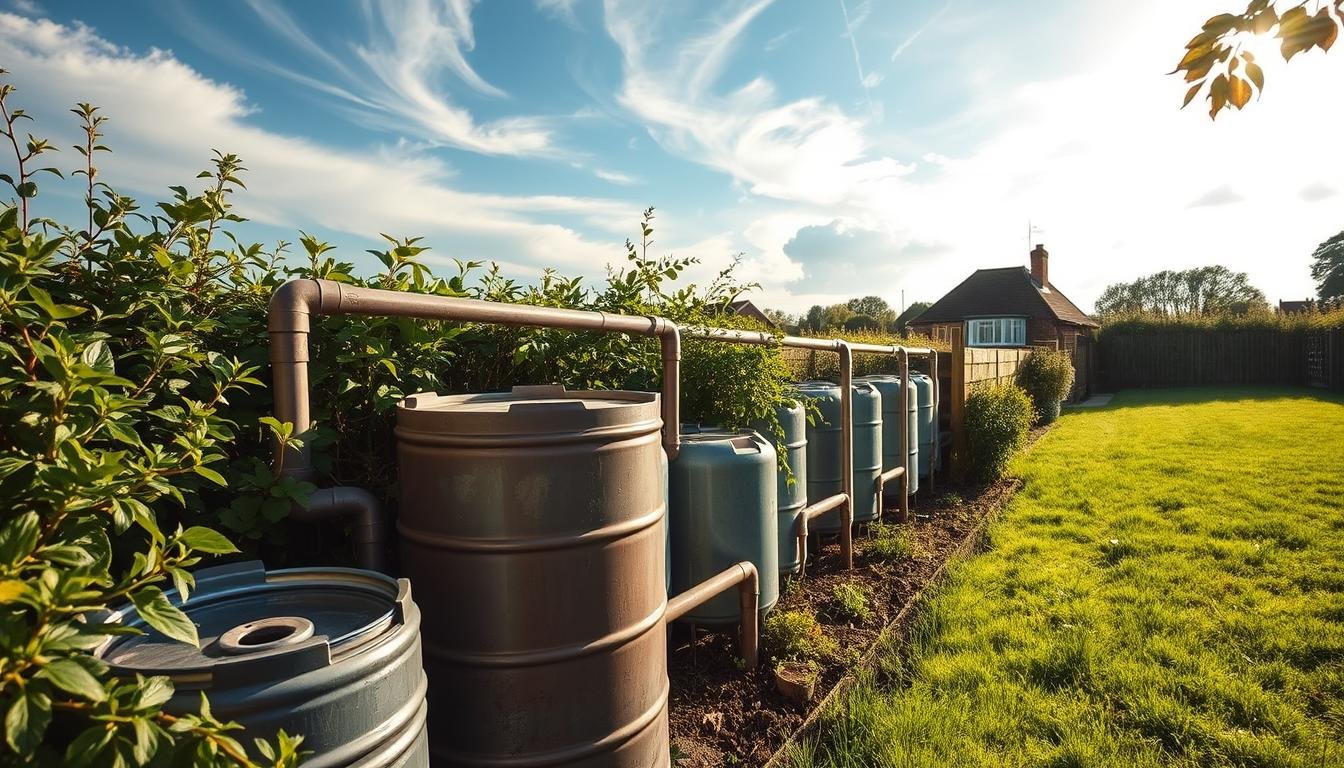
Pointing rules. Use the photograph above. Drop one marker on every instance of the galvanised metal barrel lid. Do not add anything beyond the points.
(255, 624)
(542, 409)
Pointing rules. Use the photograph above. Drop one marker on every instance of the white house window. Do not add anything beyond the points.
(996, 332)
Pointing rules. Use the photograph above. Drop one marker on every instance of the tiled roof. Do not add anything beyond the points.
(1005, 291)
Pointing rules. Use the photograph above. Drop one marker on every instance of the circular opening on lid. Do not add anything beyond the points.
(265, 634)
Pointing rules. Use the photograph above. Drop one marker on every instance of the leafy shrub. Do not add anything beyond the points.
(998, 418)
(849, 602)
(1046, 375)
(114, 414)
(796, 635)
(890, 542)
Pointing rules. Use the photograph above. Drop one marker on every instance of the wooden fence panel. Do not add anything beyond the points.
(1184, 358)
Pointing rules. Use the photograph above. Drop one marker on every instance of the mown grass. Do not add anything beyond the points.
(1167, 589)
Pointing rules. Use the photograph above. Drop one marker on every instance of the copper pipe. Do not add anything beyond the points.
(937, 456)
(807, 514)
(847, 452)
(743, 576)
(888, 476)
(366, 531)
(904, 514)
(289, 324)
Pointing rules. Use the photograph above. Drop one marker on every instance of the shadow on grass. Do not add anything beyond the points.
(1141, 398)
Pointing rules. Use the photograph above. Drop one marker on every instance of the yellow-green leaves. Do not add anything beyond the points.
(153, 606)
(26, 720)
(1213, 56)
(73, 675)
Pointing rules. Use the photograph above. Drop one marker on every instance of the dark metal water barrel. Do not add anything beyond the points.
(791, 496)
(332, 654)
(890, 387)
(534, 522)
(722, 511)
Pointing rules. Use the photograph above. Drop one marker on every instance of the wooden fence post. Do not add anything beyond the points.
(957, 393)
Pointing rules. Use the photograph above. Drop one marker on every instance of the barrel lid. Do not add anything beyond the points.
(526, 410)
(254, 623)
(815, 388)
(737, 440)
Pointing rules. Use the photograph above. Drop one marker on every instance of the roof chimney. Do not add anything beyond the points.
(1040, 266)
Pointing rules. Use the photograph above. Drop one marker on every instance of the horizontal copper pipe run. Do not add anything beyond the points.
(888, 476)
(743, 576)
(289, 324)
(807, 515)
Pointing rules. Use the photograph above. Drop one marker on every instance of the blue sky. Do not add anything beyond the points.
(845, 147)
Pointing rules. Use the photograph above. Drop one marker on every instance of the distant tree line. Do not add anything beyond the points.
(1198, 291)
(869, 313)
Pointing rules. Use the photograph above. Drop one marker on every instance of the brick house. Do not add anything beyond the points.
(1013, 307)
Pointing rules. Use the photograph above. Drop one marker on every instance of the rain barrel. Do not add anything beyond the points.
(890, 387)
(792, 496)
(536, 521)
(928, 422)
(723, 510)
(332, 654)
(824, 462)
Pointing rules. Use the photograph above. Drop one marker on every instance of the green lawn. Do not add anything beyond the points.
(1167, 589)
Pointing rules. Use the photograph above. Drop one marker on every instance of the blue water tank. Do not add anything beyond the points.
(890, 387)
(824, 460)
(723, 510)
(928, 423)
(791, 495)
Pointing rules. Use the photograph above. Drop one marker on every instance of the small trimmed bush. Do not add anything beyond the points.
(1047, 376)
(849, 602)
(796, 636)
(997, 421)
(890, 543)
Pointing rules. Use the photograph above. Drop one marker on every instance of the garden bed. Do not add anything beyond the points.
(721, 715)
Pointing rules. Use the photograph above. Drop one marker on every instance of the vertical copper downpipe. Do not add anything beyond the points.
(847, 451)
(904, 515)
(937, 420)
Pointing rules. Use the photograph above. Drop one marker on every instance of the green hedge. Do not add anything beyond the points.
(1047, 376)
(998, 418)
(1331, 319)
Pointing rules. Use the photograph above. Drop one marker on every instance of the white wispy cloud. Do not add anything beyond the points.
(850, 26)
(561, 9)
(913, 36)
(781, 38)
(805, 150)
(615, 177)
(395, 70)
(163, 128)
